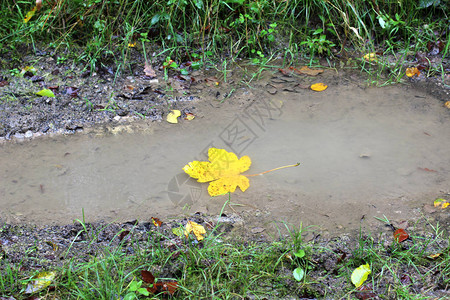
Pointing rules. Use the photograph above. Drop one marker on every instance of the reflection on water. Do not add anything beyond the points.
(359, 150)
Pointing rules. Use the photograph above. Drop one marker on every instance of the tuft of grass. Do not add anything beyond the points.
(98, 32)
(222, 266)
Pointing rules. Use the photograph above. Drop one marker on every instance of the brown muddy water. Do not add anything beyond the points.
(364, 152)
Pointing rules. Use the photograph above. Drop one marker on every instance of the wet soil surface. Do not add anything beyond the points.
(37, 248)
(85, 98)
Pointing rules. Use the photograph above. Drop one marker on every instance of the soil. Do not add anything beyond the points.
(85, 98)
(37, 248)
(87, 101)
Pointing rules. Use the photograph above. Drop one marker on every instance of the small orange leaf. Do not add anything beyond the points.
(189, 116)
(400, 235)
(319, 87)
(447, 104)
(410, 72)
(157, 222)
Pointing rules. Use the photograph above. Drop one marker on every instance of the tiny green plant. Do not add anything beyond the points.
(135, 290)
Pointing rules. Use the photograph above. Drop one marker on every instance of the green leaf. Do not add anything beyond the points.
(382, 22)
(298, 274)
(178, 231)
(130, 296)
(143, 291)
(45, 93)
(300, 253)
(360, 275)
(155, 19)
(134, 286)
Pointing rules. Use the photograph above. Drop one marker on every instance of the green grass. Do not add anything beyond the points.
(97, 32)
(226, 267)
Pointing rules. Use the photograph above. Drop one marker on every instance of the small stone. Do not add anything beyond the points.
(256, 230)
(19, 135)
(28, 134)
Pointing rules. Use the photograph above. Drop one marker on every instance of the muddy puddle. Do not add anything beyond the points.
(364, 152)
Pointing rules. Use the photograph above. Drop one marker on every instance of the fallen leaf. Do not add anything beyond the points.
(166, 287)
(189, 117)
(147, 276)
(28, 71)
(319, 87)
(284, 72)
(307, 71)
(365, 292)
(148, 70)
(178, 231)
(45, 93)
(410, 72)
(40, 282)
(447, 104)
(53, 245)
(157, 222)
(172, 117)
(400, 235)
(223, 170)
(30, 14)
(405, 280)
(72, 91)
(360, 275)
(428, 170)
(123, 234)
(434, 256)
(442, 203)
(198, 230)
(371, 57)
(3, 81)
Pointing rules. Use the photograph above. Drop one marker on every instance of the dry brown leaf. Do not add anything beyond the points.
(148, 70)
(307, 71)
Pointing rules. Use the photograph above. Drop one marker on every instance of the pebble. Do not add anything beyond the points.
(19, 135)
(29, 134)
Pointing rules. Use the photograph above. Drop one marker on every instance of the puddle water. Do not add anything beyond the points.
(372, 152)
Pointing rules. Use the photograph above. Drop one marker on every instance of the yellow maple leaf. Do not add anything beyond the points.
(198, 230)
(223, 169)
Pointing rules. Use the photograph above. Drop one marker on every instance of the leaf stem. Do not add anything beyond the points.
(288, 166)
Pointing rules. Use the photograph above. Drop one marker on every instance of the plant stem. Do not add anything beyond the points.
(288, 166)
